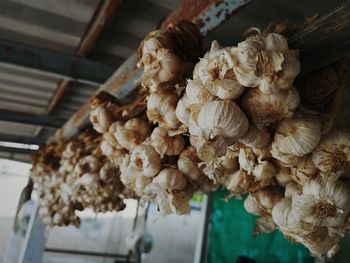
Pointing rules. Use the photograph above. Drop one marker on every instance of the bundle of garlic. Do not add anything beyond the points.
(82, 178)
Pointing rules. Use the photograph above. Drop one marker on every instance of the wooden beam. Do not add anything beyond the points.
(207, 14)
(105, 11)
(325, 41)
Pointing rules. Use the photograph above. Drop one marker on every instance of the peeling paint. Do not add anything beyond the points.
(218, 13)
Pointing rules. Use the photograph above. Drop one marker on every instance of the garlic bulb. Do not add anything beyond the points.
(333, 152)
(188, 163)
(265, 61)
(264, 109)
(197, 93)
(238, 183)
(160, 69)
(146, 160)
(215, 71)
(165, 144)
(256, 138)
(101, 118)
(161, 109)
(298, 135)
(132, 133)
(261, 202)
(183, 110)
(222, 118)
(304, 170)
(322, 202)
(170, 179)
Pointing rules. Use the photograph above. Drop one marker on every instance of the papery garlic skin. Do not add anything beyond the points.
(322, 202)
(256, 138)
(132, 133)
(264, 109)
(264, 61)
(222, 118)
(298, 135)
(183, 110)
(146, 159)
(215, 71)
(261, 202)
(197, 93)
(161, 109)
(188, 163)
(333, 152)
(170, 179)
(101, 117)
(165, 144)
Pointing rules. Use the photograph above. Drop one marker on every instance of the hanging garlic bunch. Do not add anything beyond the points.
(165, 144)
(265, 61)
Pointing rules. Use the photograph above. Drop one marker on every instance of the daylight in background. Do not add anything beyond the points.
(13, 177)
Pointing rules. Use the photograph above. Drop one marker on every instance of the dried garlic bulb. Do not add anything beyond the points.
(188, 163)
(146, 160)
(238, 183)
(160, 69)
(132, 133)
(264, 109)
(170, 179)
(333, 152)
(215, 71)
(161, 109)
(165, 144)
(197, 93)
(265, 61)
(298, 135)
(322, 202)
(261, 202)
(222, 118)
(256, 138)
(101, 118)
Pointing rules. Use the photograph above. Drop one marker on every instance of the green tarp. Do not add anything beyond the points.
(230, 237)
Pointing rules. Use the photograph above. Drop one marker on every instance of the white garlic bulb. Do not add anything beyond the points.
(146, 160)
(215, 71)
(165, 144)
(161, 109)
(170, 179)
(333, 152)
(265, 61)
(222, 118)
(132, 133)
(264, 109)
(188, 163)
(292, 188)
(100, 118)
(298, 135)
(322, 202)
(197, 93)
(261, 202)
(256, 138)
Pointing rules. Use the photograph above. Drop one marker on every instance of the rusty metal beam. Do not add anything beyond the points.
(206, 14)
(95, 28)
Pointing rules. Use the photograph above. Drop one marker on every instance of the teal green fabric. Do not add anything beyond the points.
(230, 237)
